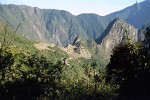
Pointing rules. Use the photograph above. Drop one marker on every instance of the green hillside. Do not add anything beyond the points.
(61, 27)
(19, 44)
(36, 73)
(48, 54)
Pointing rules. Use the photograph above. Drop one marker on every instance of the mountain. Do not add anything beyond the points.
(97, 34)
(137, 14)
(62, 28)
(55, 44)
(54, 26)
(93, 25)
(118, 31)
(17, 43)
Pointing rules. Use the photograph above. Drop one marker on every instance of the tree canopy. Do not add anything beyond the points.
(129, 67)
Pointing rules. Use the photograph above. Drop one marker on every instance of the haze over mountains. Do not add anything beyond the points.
(57, 55)
(61, 27)
(137, 14)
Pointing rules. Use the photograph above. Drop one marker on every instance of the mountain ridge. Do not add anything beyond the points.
(118, 31)
(137, 14)
(60, 27)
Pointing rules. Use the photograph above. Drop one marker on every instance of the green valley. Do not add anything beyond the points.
(49, 54)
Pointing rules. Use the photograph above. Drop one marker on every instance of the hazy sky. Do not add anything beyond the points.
(101, 7)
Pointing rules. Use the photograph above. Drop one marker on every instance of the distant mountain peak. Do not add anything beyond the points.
(62, 28)
(116, 21)
(118, 28)
(117, 31)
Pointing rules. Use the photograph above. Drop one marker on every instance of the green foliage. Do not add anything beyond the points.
(28, 73)
(28, 76)
(93, 25)
(129, 68)
(6, 59)
(86, 82)
(147, 38)
(19, 44)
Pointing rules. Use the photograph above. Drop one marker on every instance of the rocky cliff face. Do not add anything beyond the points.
(61, 28)
(117, 32)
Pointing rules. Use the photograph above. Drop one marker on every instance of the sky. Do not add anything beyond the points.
(76, 7)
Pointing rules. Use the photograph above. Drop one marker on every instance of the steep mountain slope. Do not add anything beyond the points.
(9, 38)
(117, 32)
(93, 25)
(58, 27)
(137, 14)
(31, 24)
(62, 28)
(19, 44)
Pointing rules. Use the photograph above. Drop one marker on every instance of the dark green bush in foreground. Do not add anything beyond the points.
(27, 76)
(30, 77)
(129, 67)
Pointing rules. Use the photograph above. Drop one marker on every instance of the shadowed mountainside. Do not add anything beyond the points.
(62, 28)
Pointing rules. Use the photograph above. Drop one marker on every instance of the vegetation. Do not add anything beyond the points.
(31, 77)
(30, 74)
(27, 76)
(129, 67)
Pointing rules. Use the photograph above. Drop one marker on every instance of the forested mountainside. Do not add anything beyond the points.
(61, 27)
(52, 54)
(33, 70)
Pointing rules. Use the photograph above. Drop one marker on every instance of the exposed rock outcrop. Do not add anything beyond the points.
(118, 32)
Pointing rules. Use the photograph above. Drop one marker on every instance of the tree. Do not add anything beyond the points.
(6, 61)
(129, 69)
(28, 77)
(147, 38)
